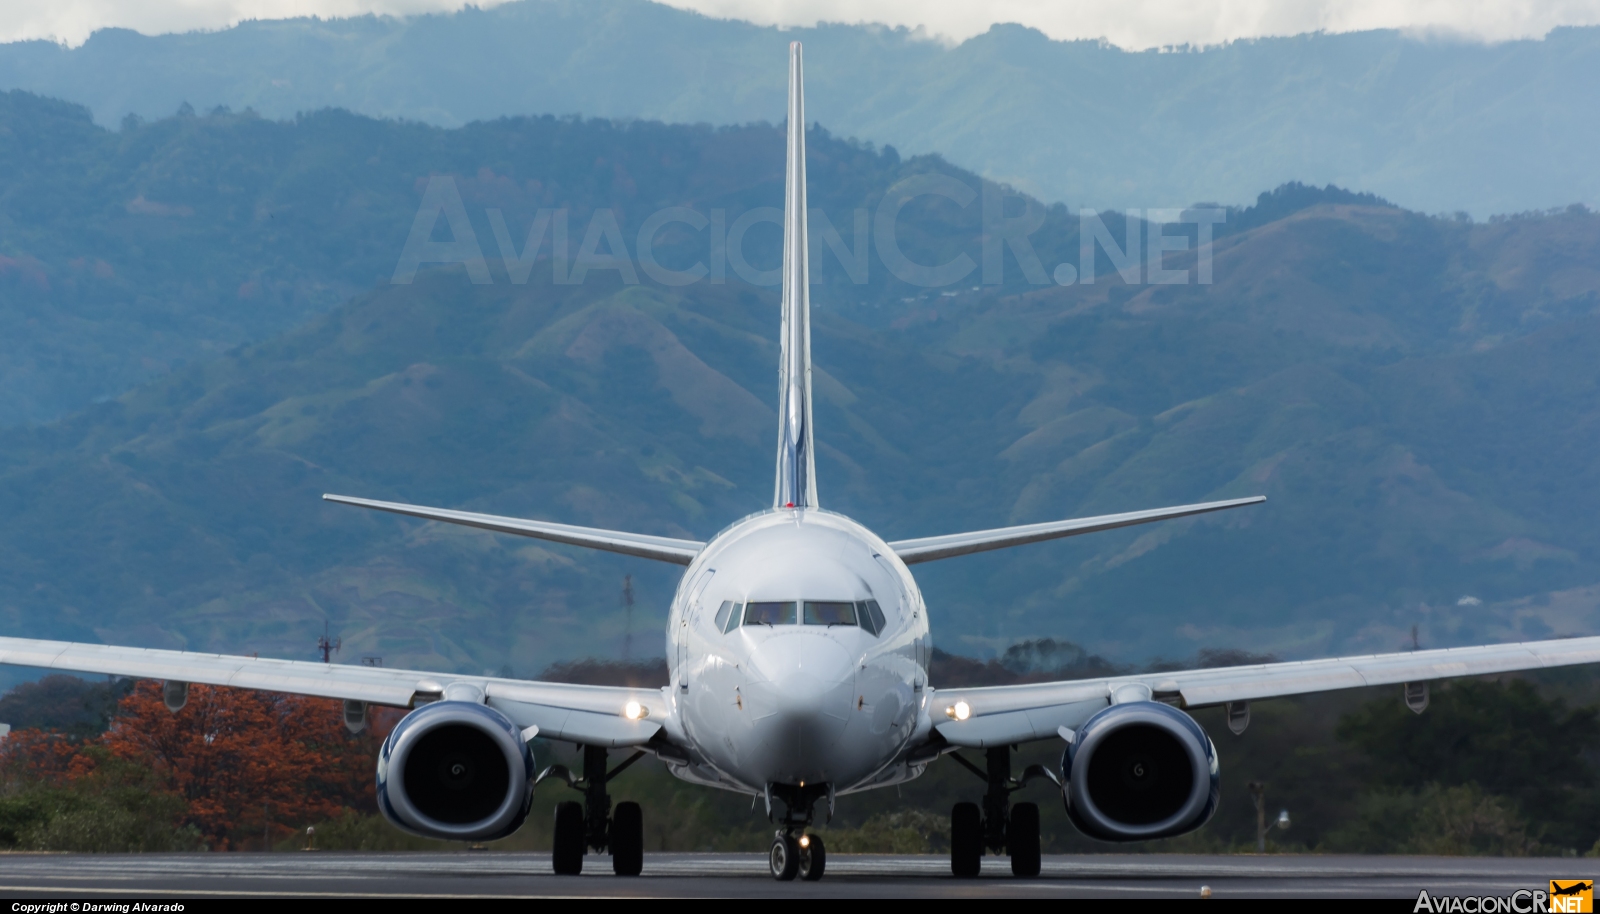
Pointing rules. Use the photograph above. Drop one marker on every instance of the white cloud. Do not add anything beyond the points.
(1128, 23)
(71, 21)
(1140, 24)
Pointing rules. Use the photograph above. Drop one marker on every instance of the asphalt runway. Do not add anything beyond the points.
(468, 874)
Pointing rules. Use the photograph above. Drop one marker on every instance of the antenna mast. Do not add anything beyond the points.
(327, 647)
(627, 603)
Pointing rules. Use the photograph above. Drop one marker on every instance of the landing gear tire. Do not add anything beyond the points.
(1022, 840)
(627, 840)
(813, 859)
(966, 841)
(567, 855)
(784, 858)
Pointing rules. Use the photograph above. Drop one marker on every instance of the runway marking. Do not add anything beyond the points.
(514, 875)
(258, 893)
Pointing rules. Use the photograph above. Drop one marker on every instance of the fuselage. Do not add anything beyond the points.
(798, 647)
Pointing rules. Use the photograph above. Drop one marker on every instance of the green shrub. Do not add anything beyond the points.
(1462, 820)
(911, 831)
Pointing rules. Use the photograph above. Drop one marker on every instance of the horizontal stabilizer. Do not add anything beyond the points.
(930, 548)
(660, 548)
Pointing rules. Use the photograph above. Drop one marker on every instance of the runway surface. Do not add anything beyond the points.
(84, 877)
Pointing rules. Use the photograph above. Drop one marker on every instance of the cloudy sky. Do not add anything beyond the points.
(1128, 23)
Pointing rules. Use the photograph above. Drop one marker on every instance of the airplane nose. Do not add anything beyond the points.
(803, 666)
(804, 696)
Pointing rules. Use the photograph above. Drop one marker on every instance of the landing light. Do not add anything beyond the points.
(633, 710)
(958, 711)
(805, 840)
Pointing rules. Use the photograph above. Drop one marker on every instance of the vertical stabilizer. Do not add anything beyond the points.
(797, 467)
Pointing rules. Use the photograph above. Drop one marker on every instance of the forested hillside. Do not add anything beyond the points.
(128, 252)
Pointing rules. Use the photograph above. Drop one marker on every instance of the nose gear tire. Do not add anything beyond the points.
(627, 840)
(813, 859)
(784, 858)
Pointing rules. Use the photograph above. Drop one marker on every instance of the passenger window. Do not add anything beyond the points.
(877, 616)
(820, 612)
(769, 613)
(722, 615)
(733, 618)
(864, 618)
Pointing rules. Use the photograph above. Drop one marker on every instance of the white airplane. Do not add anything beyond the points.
(798, 647)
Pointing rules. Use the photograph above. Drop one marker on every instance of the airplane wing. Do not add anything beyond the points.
(1001, 715)
(579, 713)
(660, 548)
(931, 548)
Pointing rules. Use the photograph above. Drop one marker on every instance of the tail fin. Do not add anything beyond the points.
(797, 466)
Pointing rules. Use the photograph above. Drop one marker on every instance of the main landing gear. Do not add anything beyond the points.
(1001, 827)
(804, 855)
(593, 824)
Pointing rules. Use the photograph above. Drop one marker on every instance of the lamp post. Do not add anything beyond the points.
(1258, 791)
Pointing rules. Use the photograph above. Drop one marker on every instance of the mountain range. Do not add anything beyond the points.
(1415, 394)
(1434, 124)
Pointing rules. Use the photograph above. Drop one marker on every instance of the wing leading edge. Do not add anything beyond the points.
(930, 548)
(660, 548)
(1000, 715)
(580, 713)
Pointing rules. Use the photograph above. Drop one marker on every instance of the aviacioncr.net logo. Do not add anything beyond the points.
(1567, 896)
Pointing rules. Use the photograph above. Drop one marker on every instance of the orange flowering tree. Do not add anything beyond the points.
(234, 767)
(245, 762)
(41, 756)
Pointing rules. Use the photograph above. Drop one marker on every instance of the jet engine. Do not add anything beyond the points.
(1140, 770)
(456, 770)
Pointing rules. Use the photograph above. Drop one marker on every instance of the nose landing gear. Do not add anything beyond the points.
(804, 855)
(1002, 827)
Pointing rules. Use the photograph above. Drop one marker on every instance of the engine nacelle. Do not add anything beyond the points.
(1138, 771)
(456, 770)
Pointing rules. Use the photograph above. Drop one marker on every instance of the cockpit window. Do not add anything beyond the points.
(879, 623)
(723, 613)
(865, 618)
(820, 612)
(769, 613)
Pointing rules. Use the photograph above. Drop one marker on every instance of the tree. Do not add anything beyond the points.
(78, 707)
(1503, 737)
(247, 762)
